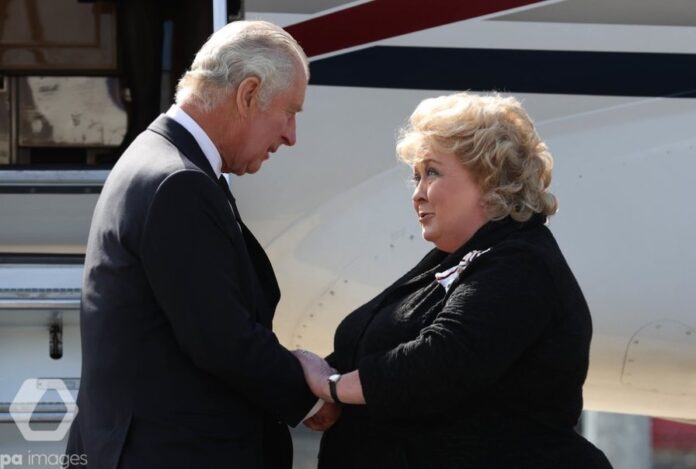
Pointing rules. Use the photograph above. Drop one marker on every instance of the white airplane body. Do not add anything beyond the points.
(611, 87)
(334, 212)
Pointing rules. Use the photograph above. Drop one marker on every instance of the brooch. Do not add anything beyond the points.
(447, 278)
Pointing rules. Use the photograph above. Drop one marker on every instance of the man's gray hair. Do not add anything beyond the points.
(240, 50)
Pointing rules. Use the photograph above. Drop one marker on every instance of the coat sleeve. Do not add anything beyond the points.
(486, 322)
(189, 259)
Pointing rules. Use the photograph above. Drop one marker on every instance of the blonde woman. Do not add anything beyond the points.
(476, 357)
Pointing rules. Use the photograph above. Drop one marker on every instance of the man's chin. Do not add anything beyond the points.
(253, 169)
(250, 168)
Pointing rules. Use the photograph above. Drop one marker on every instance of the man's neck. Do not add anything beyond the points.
(196, 126)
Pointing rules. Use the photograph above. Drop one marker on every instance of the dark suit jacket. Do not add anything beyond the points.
(486, 375)
(180, 368)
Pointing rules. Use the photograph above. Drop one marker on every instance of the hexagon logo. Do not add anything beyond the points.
(27, 399)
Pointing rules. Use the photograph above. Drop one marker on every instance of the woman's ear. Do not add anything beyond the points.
(247, 95)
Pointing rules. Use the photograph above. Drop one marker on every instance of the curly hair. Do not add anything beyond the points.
(495, 139)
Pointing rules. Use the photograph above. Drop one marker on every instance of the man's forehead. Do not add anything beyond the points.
(295, 95)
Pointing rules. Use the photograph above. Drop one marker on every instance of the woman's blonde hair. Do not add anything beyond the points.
(495, 140)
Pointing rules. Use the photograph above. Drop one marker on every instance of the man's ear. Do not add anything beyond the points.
(247, 95)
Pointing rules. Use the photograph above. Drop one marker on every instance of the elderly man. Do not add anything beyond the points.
(179, 364)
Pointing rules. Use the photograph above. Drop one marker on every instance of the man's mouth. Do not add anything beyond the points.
(424, 216)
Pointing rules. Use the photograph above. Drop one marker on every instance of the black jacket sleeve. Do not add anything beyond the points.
(490, 316)
(191, 262)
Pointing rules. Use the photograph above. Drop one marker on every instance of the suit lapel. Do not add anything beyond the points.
(270, 292)
(256, 272)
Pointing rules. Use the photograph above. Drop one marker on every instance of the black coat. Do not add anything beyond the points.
(486, 375)
(180, 368)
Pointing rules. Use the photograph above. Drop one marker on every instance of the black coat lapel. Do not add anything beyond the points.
(270, 292)
(262, 289)
(437, 261)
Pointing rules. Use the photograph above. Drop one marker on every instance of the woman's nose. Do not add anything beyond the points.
(419, 191)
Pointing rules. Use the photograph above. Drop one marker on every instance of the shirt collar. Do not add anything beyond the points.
(207, 146)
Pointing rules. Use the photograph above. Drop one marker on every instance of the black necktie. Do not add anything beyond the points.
(225, 187)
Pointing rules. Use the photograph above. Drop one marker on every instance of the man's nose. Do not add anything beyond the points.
(290, 136)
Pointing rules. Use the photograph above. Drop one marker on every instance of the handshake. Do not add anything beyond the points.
(317, 372)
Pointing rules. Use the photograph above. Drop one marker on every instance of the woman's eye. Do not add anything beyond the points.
(415, 179)
(432, 172)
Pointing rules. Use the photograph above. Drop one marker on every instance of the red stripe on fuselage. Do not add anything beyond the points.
(381, 19)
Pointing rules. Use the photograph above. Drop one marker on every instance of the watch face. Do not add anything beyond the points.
(334, 378)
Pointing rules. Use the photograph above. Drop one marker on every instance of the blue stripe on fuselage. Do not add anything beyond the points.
(510, 70)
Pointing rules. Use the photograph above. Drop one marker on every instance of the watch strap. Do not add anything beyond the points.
(333, 381)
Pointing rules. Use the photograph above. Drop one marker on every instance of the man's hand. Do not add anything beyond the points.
(316, 372)
(324, 418)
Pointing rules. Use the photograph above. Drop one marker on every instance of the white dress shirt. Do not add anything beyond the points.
(207, 146)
